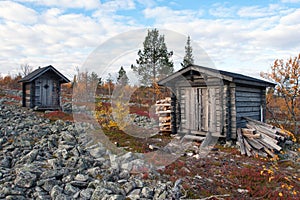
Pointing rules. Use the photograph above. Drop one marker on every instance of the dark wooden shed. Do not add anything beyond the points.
(209, 100)
(41, 88)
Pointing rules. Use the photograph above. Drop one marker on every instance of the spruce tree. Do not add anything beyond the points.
(154, 60)
(188, 58)
(122, 77)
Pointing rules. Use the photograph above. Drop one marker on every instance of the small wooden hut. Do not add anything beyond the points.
(41, 88)
(210, 100)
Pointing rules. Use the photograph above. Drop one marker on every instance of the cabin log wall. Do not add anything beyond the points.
(249, 102)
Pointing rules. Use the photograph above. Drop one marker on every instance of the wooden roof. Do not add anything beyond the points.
(224, 75)
(42, 70)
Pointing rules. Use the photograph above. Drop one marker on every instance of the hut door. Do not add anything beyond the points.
(202, 109)
(196, 113)
(46, 92)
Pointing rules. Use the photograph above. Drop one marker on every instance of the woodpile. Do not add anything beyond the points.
(260, 139)
(163, 110)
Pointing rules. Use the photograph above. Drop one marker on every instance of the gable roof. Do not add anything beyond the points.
(40, 71)
(224, 75)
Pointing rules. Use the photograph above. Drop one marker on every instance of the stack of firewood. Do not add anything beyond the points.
(163, 110)
(260, 139)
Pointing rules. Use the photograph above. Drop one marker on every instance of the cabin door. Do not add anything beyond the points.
(202, 109)
(46, 92)
(197, 107)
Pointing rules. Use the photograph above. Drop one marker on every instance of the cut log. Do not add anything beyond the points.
(193, 137)
(248, 131)
(254, 143)
(258, 122)
(269, 144)
(265, 128)
(257, 135)
(269, 152)
(241, 142)
(248, 148)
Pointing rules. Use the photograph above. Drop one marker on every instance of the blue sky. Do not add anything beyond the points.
(239, 36)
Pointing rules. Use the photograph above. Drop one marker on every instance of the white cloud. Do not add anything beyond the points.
(257, 11)
(291, 19)
(114, 5)
(221, 11)
(16, 12)
(167, 15)
(85, 4)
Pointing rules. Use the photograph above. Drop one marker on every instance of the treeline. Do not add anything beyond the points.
(10, 82)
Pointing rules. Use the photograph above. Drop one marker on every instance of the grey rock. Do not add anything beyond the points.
(94, 184)
(131, 164)
(124, 174)
(163, 195)
(129, 186)
(30, 157)
(134, 194)
(81, 177)
(67, 138)
(97, 152)
(114, 197)
(176, 191)
(41, 195)
(54, 173)
(48, 184)
(100, 192)
(68, 178)
(94, 172)
(25, 179)
(147, 193)
(6, 162)
(62, 197)
(79, 184)
(15, 197)
(86, 193)
(56, 190)
(70, 189)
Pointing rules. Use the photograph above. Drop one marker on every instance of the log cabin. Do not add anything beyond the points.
(41, 88)
(215, 101)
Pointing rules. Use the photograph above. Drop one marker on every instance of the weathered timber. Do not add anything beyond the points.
(268, 144)
(248, 131)
(254, 143)
(193, 137)
(269, 152)
(248, 148)
(241, 142)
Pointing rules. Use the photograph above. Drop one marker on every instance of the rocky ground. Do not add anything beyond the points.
(43, 159)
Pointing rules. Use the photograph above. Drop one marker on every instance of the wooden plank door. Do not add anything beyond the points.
(203, 109)
(196, 109)
(47, 88)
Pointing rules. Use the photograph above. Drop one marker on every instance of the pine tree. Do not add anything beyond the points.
(188, 58)
(154, 60)
(122, 77)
